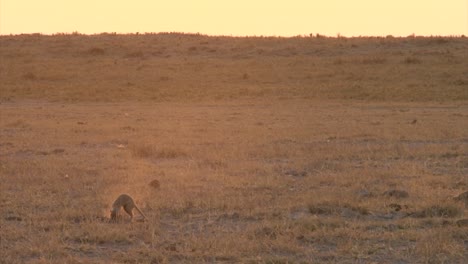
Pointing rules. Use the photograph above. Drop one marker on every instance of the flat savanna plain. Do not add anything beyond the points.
(266, 150)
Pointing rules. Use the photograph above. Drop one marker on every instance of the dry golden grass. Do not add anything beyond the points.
(179, 67)
(265, 150)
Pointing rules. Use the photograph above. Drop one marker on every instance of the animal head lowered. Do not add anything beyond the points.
(126, 202)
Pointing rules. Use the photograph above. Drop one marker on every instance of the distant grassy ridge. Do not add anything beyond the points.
(185, 67)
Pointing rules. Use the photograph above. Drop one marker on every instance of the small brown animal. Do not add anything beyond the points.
(127, 203)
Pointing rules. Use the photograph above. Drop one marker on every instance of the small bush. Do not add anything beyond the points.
(148, 151)
(330, 208)
(412, 60)
(439, 40)
(96, 51)
(135, 54)
(170, 153)
(312, 225)
(447, 211)
(143, 151)
(375, 60)
(29, 76)
(323, 208)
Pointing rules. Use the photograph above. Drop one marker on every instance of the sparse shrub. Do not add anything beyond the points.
(312, 225)
(463, 197)
(439, 40)
(328, 208)
(155, 184)
(266, 232)
(323, 208)
(438, 247)
(96, 51)
(448, 211)
(461, 82)
(168, 153)
(375, 60)
(412, 60)
(29, 76)
(462, 223)
(396, 193)
(143, 151)
(357, 209)
(18, 124)
(212, 164)
(135, 54)
(149, 151)
(338, 61)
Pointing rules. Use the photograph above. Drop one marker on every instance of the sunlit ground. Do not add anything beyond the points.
(267, 150)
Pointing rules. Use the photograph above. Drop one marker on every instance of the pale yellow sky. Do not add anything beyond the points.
(238, 18)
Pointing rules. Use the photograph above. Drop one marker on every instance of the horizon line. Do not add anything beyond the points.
(310, 35)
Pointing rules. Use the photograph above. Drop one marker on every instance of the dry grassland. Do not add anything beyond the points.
(266, 150)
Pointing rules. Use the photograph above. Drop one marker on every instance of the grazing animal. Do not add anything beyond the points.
(127, 203)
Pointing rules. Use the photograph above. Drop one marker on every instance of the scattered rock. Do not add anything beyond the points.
(155, 184)
(462, 223)
(396, 193)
